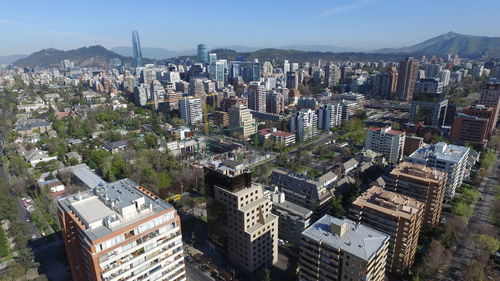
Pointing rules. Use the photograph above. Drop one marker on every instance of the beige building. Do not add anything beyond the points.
(341, 249)
(396, 215)
(240, 222)
(423, 183)
(121, 231)
(240, 116)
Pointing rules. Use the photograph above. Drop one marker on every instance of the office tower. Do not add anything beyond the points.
(444, 76)
(449, 158)
(407, 76)
(136, 44)
(256, 97)
(121, 231)
(292, 80)
(423, 183)
(267, 68)
(220, 70)
(426, 86)
(432, 70)
(256, 70)
(329, 116)
(396, 215)
(240, 222)
(387, 141)
(191, 110)
(309, 193)
(202, 54)
(240, 116)
(286, 67)
(470, 130)
(275, 102)
(483, 111)
(303, 124)
(341, 249)
(385, 83)
(212, 58)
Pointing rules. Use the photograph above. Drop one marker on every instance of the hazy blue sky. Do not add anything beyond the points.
(27, 26)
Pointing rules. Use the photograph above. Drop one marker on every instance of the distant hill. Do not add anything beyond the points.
(452, 43)
(299, 56)
(152, 53)
(85, 56)
(10, 58)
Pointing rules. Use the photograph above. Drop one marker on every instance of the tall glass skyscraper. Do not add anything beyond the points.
(203, 53)
(136, 44)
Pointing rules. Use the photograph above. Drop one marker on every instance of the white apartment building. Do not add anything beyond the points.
(303, 124)
(387, 141)
(329, 116)
(191, 110)
(240, 116)
(449, 158)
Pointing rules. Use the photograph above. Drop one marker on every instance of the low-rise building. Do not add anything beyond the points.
(276, 135)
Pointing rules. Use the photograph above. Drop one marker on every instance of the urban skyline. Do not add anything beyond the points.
(40, 26)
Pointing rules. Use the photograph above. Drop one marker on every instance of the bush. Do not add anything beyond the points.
(4, 244)
(462, 209)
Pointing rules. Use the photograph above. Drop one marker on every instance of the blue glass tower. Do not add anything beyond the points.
(203, 53)
(136, 44)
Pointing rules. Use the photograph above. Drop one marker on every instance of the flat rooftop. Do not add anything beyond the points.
(113, 206)
(389, 202)
(441, 151)
(358, 240)
(418, 172)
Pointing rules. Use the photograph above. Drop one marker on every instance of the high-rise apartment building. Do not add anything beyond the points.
(275, 102)
(341, 249)
(136, 44)
(469, 129)
(240, 221)
(121, 231)
(256, 97)
(423, 183)
(203, 53)
(329, 116)
(303, 124)
(385, 83)
(407, 76)
(449, 158)
(191, 110)
(396, 215)
(240, 116)
(387, 141)
(292, 80)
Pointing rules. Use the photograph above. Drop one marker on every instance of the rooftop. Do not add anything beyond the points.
(356, 239)
(419, 172)
(109, 208)
(388, 202)
(441, 151)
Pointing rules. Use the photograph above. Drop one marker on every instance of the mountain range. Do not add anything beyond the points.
(451, 42)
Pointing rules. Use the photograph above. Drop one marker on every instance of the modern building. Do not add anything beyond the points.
(490, 94)
(486, 112)
(407, 76)
(240, 116)
(330, 116)
(191, 110)
(396, 215)
(310, 193)
(432, 113)
(385, 83)
(203, 53)
(449, 158)
(468, 129)
(387, 141)
(221, 118)
(275, 102)
(277, 136)
(412, 143)
(121, 231)
(293, 219)
(423, 183)
(341, 249)
(429, 86)
(240, 221)
(304, 124)
(256, 97)
(136, 44)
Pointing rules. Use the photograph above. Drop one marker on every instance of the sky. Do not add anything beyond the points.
(27, 26)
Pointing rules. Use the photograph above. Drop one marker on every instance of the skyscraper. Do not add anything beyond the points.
(202, 53)
(407, 76)
(256, 97)
(136, 44)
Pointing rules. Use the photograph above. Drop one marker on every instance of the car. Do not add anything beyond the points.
(33, 236)
(28, 220)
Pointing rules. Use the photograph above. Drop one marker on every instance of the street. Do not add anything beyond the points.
(194, 274)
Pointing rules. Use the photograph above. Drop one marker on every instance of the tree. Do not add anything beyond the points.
(267, 275)
(486, 243)
(337, 209)
(151, 140)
